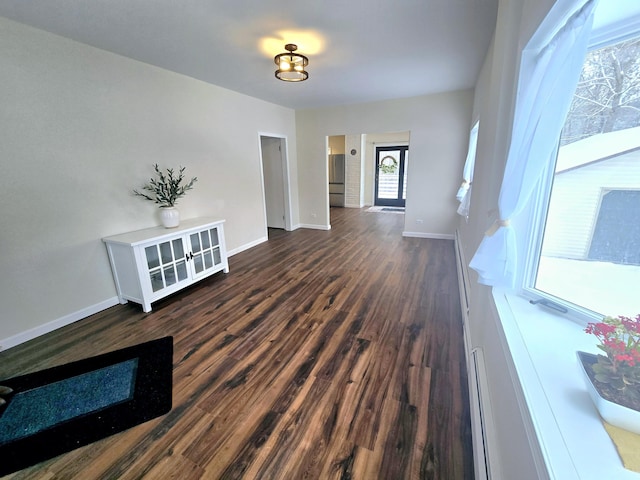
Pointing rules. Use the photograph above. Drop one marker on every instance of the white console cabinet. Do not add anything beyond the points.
(155, 262)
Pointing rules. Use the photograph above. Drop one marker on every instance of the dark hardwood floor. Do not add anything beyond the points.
(321, 355)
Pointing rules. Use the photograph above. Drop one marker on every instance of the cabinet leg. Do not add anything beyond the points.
(146, 307)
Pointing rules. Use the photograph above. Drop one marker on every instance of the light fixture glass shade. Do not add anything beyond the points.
(291, 65)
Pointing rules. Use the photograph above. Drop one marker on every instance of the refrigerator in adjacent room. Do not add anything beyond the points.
(336, 180)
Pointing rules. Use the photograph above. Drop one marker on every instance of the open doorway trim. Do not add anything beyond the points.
(286, 176)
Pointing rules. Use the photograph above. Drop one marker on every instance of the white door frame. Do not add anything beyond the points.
(288, 222)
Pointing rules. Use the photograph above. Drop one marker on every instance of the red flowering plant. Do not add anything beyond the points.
(620, 369)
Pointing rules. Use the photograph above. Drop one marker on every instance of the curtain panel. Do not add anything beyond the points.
(464, 192)
(548, 77)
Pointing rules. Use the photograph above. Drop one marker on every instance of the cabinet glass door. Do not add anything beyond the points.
(167, 264)
(205, 247)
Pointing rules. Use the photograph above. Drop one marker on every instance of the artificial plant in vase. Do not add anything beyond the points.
(165, 190)
(615, 376)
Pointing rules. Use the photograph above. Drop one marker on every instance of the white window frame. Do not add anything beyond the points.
(531, 222)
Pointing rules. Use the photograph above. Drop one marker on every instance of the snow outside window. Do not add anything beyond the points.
(589, 252)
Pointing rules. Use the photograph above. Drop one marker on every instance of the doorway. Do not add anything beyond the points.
(273, 153)
(391, 176)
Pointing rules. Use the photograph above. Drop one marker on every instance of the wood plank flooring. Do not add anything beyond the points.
(321, 355)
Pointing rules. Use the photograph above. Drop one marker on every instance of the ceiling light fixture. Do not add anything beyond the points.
(291, 65)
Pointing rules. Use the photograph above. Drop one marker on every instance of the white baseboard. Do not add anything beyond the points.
(438, 236)
(27, 335)
(35, 332)
(464, 288)
(308, 225)
(315, 227)
(246, 246)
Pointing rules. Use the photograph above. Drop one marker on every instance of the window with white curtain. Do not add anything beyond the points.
(550, 69)
(587, 245)
(464, 192)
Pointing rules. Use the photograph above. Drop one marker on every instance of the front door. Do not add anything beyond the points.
(391, 176)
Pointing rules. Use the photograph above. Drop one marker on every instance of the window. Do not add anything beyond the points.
(464, 192)
(550, 69)
(589, 243)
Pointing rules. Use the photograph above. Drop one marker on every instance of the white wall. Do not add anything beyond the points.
(439, 126)
(353, 172)
(81, 128)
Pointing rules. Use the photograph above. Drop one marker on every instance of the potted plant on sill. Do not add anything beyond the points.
(165, 190)
(613, 379)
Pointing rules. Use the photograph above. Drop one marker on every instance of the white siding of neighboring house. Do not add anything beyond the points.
(576, 200)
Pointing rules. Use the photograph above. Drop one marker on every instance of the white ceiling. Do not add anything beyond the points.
(359, 50)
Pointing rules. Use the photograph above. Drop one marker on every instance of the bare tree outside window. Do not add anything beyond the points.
(590, 254)
(607, 97)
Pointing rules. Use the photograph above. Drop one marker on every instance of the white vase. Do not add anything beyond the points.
(613, 413)
(170, 217)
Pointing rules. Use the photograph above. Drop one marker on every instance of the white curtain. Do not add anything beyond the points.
(544, 96)
(464, 192)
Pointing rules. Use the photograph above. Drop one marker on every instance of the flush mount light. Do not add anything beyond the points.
(291, 65)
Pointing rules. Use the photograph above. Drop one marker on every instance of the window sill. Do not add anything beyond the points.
(572, 440)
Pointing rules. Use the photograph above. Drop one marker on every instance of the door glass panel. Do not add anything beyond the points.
(165, 252)
(208, 263)
(404, 180)
(205, 239)
(216, 256)
(391, 176)
(153, 261)
(156, 280)
(181, 267)
(214, 237)
(197, 261)
(388, 174)
(195, 242)
(169, 275)
(178, 249)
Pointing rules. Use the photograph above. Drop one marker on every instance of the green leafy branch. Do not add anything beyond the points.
(167, 188)
(388, 165)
